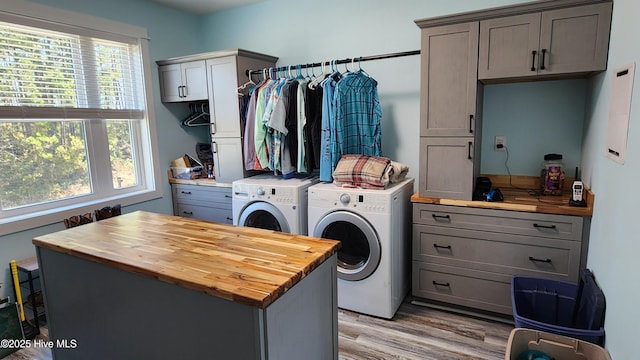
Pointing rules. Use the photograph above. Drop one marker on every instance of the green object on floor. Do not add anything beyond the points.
(10, 328)
(534, 355)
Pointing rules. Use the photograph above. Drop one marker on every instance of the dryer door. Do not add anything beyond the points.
(263, 215)
(360, 253)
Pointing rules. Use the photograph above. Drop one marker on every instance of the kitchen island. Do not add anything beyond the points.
(151, 286)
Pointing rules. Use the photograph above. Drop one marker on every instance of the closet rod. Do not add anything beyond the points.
(343, 61)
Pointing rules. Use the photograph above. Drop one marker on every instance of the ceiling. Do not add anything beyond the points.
(201, 7)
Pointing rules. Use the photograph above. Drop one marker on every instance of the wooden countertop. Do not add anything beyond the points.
(240, 264)
(201, 182)
(518, 198)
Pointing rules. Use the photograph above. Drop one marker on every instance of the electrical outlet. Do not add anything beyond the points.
(500, 143)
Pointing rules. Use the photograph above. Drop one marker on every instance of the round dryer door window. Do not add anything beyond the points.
(264, 216)
(359, 254)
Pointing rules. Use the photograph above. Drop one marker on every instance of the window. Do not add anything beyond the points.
(75, 128)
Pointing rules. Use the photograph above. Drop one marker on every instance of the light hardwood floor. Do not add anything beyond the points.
(415, 332)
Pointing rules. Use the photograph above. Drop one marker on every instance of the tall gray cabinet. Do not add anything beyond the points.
(449, 111)
(224, 72)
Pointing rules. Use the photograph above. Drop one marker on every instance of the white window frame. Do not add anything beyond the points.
(149, 162)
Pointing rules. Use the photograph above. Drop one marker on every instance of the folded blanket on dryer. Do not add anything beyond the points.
(364, 171)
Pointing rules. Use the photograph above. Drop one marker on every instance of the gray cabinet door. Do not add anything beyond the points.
(183, 82)
(509, 46)
(223, 102)
(449, 63)
(446, 167)
(576, 39)
(555, 42)
(227, 159)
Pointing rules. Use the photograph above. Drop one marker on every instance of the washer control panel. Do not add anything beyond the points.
(280, 195)
(363, 201)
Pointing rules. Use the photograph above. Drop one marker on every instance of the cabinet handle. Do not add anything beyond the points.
(548, 261)
(469, 155)
(228, 196)
(437, 283)
(184, 91)
(229, 219)
(188, 212)
(186, 192)
(181, 91)
(213, 127)
(544, 226)
(471, 124)
(448, 247)
(533, 60)
(544, 51)
(436, 217)
(214, 147)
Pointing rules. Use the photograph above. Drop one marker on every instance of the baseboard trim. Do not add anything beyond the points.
(463, 312)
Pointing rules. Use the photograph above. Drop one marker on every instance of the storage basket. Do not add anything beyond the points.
(556, 346)
(574, 310)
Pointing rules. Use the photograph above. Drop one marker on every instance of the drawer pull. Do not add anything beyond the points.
(188, 212)
(548, 261)
(436, 217)
(186, 192)
(448, 247)
(227, 196)
(437, 283)
(544, 226)
(533, 60)
(229, 219)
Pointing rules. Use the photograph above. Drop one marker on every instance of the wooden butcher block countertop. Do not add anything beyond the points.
(519, 197)
(241, 264)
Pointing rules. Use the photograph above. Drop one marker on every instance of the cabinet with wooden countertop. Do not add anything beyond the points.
(244, 292)
(202, 199)
(466, 252)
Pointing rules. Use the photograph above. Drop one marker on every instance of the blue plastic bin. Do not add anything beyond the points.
(558, 307)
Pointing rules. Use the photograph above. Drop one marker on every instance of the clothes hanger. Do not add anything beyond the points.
(199, 115)
(318, 79)
(244, 86)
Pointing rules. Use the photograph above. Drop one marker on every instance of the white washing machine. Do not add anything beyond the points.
(271, 202)
(374, 229)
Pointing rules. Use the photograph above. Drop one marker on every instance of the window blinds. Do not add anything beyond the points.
(53, 74)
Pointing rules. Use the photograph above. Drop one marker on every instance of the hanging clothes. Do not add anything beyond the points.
(302, 121)
(357, 117)
(313, 127)
(328, 86)
(248, 145)
(261, 131)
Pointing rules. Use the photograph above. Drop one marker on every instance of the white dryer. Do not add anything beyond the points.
(270, 202)
(374, 229)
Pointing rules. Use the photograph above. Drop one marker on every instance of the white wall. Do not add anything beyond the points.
(615, 246)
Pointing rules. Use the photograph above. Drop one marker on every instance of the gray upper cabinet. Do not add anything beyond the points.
(183, 82)
(449, 62)
(548, 43)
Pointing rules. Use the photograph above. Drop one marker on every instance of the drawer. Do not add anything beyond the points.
(500, 221)
(215, 194)
(209, 213)
(470, 288)
(496, 252)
